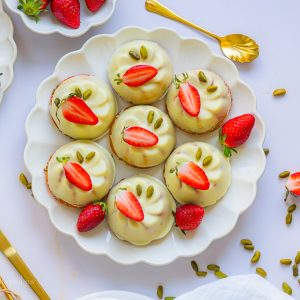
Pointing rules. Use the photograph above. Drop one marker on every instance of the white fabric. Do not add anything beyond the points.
(242, 287)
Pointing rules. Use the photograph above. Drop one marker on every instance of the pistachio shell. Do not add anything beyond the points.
(150, 116)
(202, 76)
(256, 256)
(284, 174)
(211, 89)
(78, 92)
(213, 267)
(220, 274)
(249, 247)
(198, 154)
(287, 289)
(288, 219)
(207, 160)
(79, 157)
(279, 92)
(201, 273)
(246, 242)
(286, 261)
(194, 266)
(295, 270)
(90, 156)
(150, 191)
(139, 190)
(158, 123)
(160, 292)
(292, 208)
(297, 258)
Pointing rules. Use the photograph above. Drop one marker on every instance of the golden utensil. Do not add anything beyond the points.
(237, 47)
(12, 255)
(4, 287)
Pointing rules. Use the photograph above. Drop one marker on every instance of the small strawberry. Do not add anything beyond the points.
(129, 206)
(33, 8)
(67, 12)
(190, 99)
(94, 5)
(139, 137)
(75, 110)
(78, 176)
(91, 216)
(192, 175)
(293, 185)
(137, 75)
(236, 132)
(189, 216)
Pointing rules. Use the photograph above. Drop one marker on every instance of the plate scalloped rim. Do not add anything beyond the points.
(61, 29)
(259, 141)
(10, 64)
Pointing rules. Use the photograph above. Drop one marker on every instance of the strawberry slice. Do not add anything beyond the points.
(129, 206)
(293, 184)
(192, 175)
(137, 75)
(190, 99)
(78, 176)
(75, 110)
(139, 137)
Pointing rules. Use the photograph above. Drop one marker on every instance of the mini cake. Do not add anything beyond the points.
(197, 173)
(140, 210)
(83, 107)
(79, 173)
(143, 136)
(140, 72)
(198, 101)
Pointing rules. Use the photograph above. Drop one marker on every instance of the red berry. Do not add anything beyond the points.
(67, 12)
(192, 175)
(91, 216)
(137, 75)
(293, 184)
(129, 206)
(236, 132)
(139, 137)
(75, 110)
(78, 176)
(189, 216)
(190, 99)
(94, 5)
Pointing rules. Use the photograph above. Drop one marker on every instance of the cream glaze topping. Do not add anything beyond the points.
(143, 157)
(218, 173)
(158, 217)
(102, 102)
(152, 90)
(214, 108)
(101, 169)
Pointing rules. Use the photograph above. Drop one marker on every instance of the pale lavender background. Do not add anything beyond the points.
(63, 268)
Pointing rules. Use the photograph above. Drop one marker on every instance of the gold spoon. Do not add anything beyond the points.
(237, 47)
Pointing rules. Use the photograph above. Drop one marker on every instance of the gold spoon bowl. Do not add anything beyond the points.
(237, 47)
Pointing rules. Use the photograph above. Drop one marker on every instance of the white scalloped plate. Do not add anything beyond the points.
(247, 166)
(8, 51)
(48, 23)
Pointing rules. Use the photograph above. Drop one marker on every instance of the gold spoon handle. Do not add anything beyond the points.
(155, 7)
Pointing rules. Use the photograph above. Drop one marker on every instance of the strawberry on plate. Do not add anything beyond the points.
(139, 137)
(78, 176)
(137, 75)
(192, 175)
(75, 110)
(94, 5)
(236, 132)
(67, 12)
(33, 8)
(293, 185)
(129, 205)
(189, 216)
(190, 99)
(91, 216)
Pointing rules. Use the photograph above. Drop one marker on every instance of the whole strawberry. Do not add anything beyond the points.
(293, 185)
(33, 8)
(189, 216)
(67, 12)
(94, 5)
(236, 132)
(91, 216)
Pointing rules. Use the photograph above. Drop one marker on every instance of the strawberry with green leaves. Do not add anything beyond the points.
(33, 8)
(235, 132)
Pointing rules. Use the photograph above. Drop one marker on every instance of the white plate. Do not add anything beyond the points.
(49, 24)
(114, 295)
(8, 51)
(186, 53)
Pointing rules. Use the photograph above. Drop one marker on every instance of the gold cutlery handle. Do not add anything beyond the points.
(155, 7)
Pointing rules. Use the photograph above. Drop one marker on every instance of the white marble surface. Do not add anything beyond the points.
(62, 267)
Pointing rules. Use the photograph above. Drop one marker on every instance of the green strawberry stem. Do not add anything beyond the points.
(31, 8)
